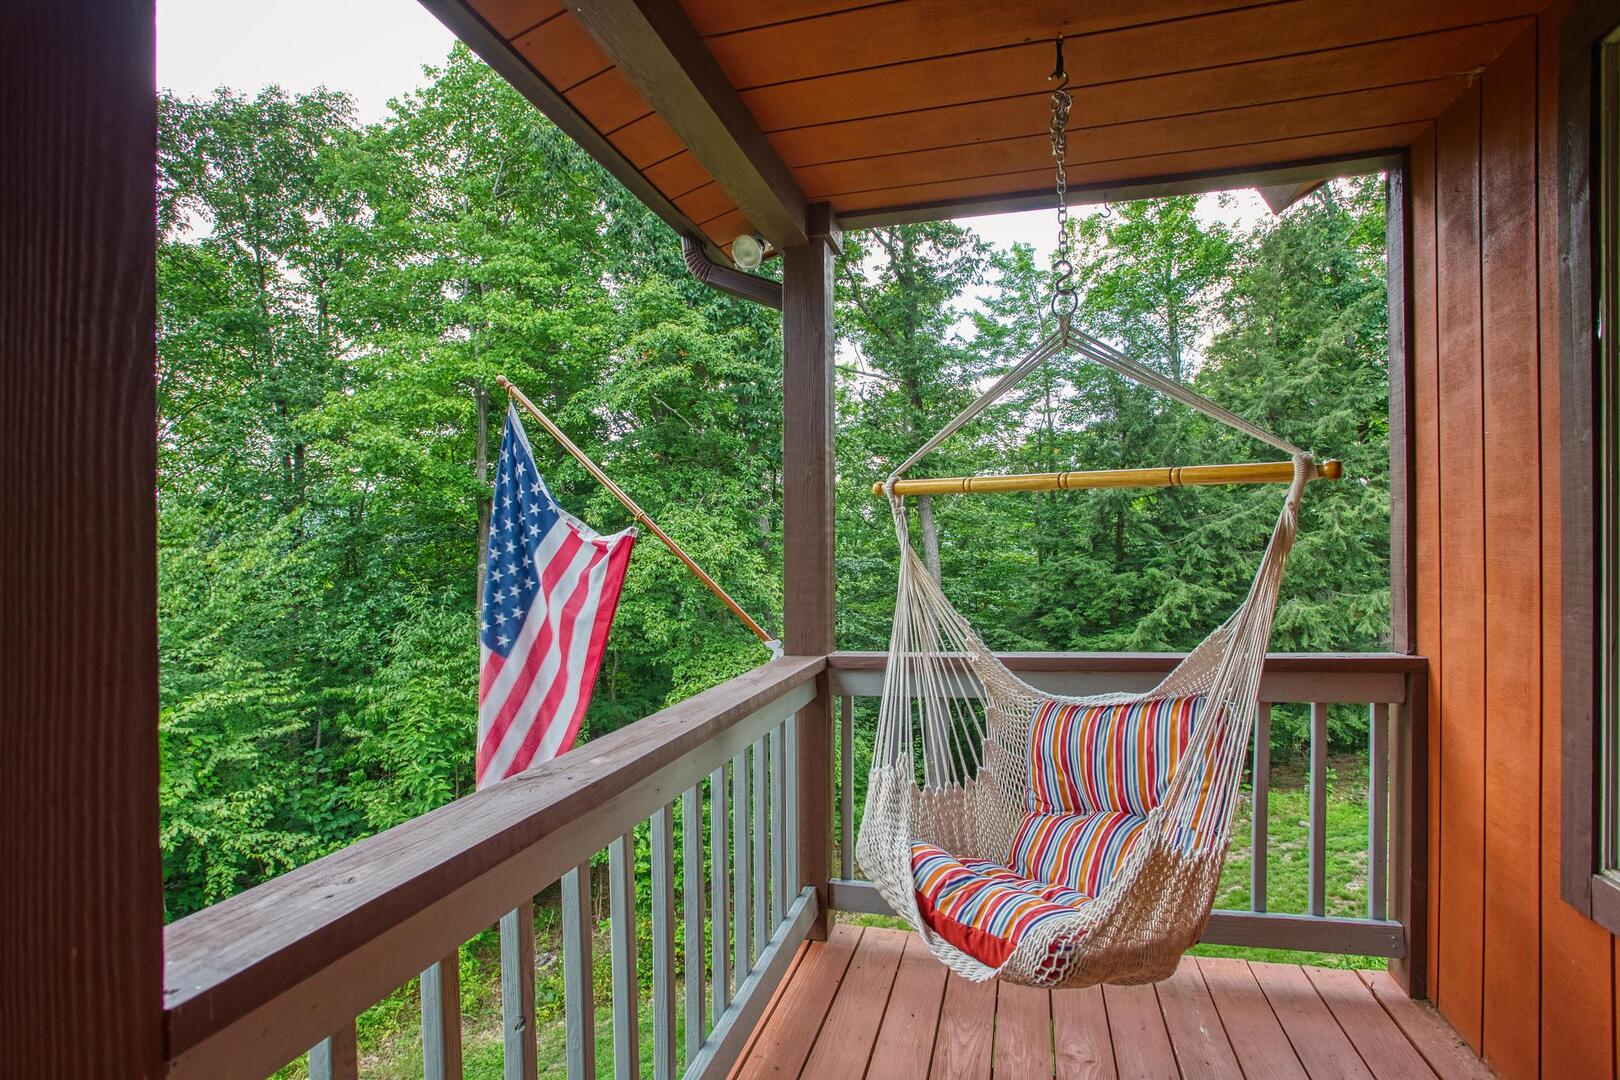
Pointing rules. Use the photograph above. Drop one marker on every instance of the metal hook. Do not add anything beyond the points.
(1058, 71)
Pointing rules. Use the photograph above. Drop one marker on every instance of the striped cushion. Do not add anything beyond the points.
(1081, 851)
(981, 907)
(1084, 759)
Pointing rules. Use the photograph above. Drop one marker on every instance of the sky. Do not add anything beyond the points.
(375, 50)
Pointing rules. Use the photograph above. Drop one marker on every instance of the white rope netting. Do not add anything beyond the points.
(950, 760)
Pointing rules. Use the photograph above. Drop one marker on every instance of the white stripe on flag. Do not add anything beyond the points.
(578, 651)
(490, 705)
(533, 694)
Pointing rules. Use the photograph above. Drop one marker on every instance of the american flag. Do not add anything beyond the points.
(550, 590)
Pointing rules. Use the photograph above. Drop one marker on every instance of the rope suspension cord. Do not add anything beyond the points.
(988, 798)
(637, 512)
(1070, 338)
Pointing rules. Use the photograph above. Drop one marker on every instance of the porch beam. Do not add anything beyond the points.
(1153, 187)
(656, 47)
(807, 528)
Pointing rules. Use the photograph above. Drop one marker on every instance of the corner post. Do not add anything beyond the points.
(807, 526)
(81, 898)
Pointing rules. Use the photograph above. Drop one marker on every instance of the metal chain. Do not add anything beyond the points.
(1064, 300)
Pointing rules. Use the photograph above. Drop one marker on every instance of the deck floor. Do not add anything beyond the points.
(873, 1002)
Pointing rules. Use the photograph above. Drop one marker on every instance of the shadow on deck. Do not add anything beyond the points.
(873, 1002)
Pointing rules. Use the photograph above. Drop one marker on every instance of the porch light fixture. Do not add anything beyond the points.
(747, 251)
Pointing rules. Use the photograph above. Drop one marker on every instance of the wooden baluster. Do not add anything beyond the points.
(692, 915)
(779, 885)
(440, 989)
(336, 1057)
(1318, 835)
(761, 872)
(742, 960)
(517, 992)
(579, 983)
(1377, 811)
(663, 942)
(794, 879)
(846, 790)
(1260, 824)
(719, 915)
(626, 990)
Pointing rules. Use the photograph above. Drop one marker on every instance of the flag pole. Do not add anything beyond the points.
(636, 511)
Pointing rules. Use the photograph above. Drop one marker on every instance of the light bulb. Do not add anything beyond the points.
(747, 251)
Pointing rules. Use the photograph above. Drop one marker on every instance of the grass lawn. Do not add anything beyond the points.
(390, 1032)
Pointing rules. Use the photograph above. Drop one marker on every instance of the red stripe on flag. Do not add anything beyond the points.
(560, 680)
(618, 563)
(531, 662)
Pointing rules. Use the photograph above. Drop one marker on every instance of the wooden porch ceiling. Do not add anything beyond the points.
(907, 109)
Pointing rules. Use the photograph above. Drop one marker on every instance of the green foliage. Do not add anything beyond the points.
(336, 300)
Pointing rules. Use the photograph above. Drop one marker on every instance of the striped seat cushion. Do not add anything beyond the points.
(982, 907)
(1080, 851)
(1089, 758)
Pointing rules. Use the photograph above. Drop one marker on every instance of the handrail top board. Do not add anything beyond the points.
(224, 960)
(1362, 663)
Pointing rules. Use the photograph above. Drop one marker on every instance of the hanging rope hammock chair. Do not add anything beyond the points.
(1049, 840)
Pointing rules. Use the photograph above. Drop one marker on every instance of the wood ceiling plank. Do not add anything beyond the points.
(1356, 67)
(1284, 29)
(728, 16)
(563, 52)
(677, 175)
(667, 61)
(512, 17)
(1285, 120)
(1158, 166)
(609, 101)
(882, 35)
(647, 141)
(705, 203)
(726, 228)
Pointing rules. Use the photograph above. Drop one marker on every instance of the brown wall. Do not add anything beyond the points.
(1524, 978)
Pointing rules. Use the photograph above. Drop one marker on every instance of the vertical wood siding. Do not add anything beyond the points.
(1522, 976)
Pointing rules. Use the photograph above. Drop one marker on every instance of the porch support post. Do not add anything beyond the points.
(807, 527)
(81, 892)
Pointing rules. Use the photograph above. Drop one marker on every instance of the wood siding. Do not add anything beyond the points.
(1525, 979)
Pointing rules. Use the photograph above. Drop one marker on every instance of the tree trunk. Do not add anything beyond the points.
(930, 534)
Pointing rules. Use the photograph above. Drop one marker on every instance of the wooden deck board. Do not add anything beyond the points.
(1023, 1031)
(1142, 1049)
(851, 1028)
(1375, 1036)
(874, 1003)
(1321, 1044)
(1251, 1026)
(967, 1018)
(905, 1045)
(789, 1032)
(1080, 1032)
(1196, 1031)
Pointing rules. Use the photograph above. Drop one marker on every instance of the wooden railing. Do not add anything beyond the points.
(1391, 687)
(254, 981)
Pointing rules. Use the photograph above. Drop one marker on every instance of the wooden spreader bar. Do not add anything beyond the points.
(1266, 472)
